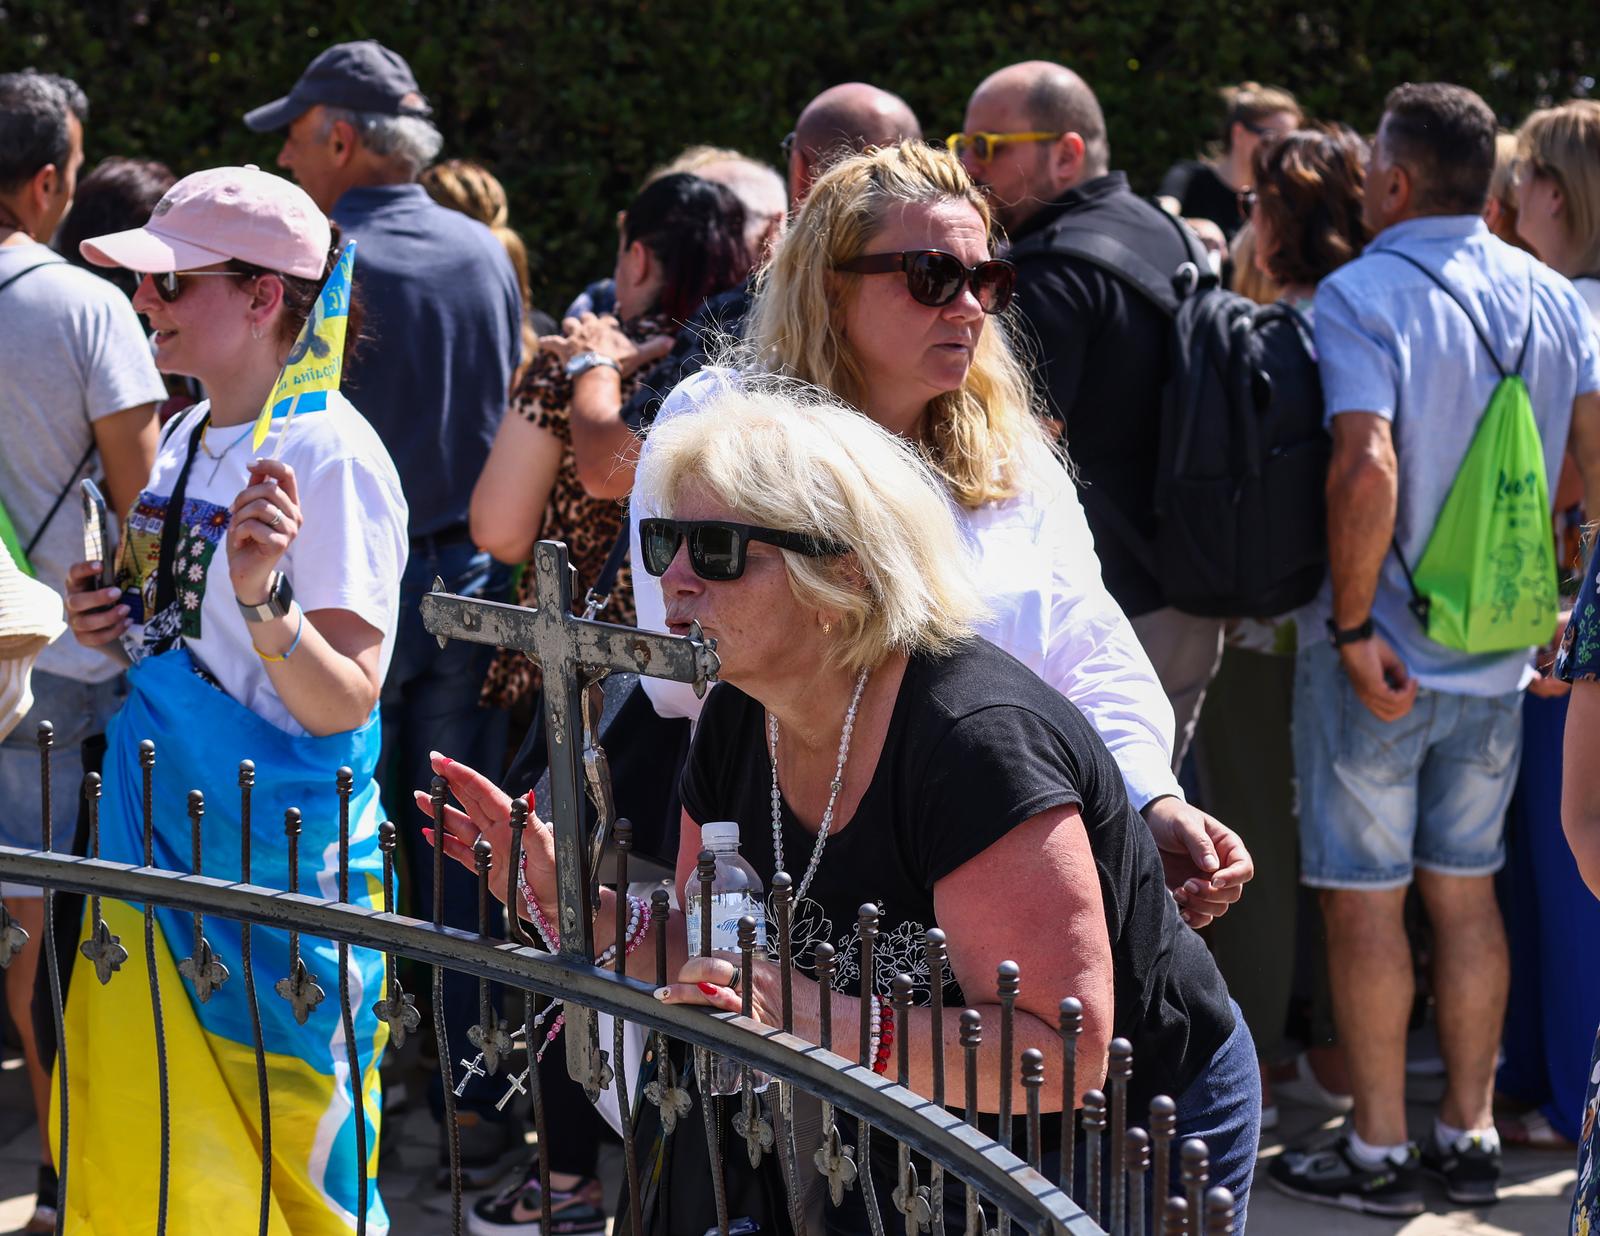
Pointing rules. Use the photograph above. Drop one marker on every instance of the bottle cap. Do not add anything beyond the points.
(720, 833)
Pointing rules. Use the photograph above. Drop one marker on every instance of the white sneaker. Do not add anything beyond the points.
(1304, 1088)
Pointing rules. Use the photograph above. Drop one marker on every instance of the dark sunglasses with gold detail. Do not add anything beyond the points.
(935, 278)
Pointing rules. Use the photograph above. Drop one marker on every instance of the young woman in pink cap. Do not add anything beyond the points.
(255, 597)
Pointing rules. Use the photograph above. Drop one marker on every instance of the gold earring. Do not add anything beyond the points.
(827, 628)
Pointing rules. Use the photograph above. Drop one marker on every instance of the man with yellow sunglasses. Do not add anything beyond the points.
(1035, 139)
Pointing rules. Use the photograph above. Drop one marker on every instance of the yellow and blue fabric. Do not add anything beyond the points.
(316, 362)
(201, 734)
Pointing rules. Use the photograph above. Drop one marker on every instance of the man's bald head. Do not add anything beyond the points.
(1055, 100)
(846, 119)
(1023, 174)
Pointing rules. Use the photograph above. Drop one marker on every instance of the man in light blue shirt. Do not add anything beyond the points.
(1406, 750)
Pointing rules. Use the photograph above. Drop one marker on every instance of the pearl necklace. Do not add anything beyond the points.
(833, 789)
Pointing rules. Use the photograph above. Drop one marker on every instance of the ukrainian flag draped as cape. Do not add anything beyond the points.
(113, 1152)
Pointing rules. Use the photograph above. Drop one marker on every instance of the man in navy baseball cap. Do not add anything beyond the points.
(362, 77)
(444, 313)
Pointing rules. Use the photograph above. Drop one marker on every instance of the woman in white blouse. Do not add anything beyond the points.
(881, 293)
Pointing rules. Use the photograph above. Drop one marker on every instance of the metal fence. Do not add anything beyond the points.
(1000, 1184)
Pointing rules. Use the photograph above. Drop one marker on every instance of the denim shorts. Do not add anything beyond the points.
(1379, 799)
(77, 710)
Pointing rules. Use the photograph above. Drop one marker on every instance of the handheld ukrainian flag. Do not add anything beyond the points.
(316, 362)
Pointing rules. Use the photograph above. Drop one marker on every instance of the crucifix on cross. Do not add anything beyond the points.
(575, 655)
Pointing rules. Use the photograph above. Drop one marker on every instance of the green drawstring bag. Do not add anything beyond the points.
(1486, 581)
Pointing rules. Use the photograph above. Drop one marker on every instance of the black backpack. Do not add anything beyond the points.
(1241, 523)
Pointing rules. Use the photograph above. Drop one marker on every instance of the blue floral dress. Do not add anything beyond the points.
(1579, 661)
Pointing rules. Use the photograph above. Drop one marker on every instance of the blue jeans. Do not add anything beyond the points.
(77, 710)
(430, 703)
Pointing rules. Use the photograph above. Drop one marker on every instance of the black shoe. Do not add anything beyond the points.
(1332, 1176)
(44, 1204)
(516, 1212)
(1470, 1170)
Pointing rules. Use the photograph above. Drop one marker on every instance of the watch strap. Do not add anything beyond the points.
(1340, 636)
(585, 361)
(280, 598)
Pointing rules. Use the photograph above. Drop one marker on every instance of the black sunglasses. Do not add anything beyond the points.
(169, 284)
(717, 546)
(934, 277)
(787, 145)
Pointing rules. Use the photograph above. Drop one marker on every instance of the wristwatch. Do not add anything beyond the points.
(279, 598)
(585, 361)
(1349, 635)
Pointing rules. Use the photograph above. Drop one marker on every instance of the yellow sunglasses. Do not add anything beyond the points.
(986, 145)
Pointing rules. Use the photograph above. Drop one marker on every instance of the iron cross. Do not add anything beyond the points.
(571, 651)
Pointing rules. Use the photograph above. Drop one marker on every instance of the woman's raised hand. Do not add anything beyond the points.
(486, 812)
(265, 520)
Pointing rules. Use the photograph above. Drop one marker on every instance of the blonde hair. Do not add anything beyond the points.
(985, 437)
(1503, 191)
(786, 455)
(472, 189)
(1248, 280)
(1564, 142)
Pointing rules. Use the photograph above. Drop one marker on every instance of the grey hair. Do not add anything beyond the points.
(410, 141)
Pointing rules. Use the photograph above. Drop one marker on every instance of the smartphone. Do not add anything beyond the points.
(96, 535)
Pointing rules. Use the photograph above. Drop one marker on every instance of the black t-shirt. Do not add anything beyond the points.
(1104, 353)
(1202, 194)
(977, 744)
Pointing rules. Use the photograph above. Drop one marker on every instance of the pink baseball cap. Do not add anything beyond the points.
(222, 213)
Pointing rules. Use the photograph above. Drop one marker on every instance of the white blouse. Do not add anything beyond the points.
(1049, 608)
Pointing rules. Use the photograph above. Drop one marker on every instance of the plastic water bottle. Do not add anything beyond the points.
(735, 892)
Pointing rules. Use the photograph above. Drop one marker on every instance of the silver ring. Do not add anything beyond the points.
(733, 983)
(277, 518)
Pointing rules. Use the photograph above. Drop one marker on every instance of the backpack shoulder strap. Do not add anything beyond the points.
(1462, 305)
(28, 270)
(1111, 254)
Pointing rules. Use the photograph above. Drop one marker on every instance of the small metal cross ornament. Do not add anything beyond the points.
(755, 1128)
(203, 970)
(300, 990)
(494, 1043)
(400, 1014)
(670, 1098)
(12, 938)
(105, 951)
(515, 1085)
(469, 1069)
(837, 1162)
(913, 1203)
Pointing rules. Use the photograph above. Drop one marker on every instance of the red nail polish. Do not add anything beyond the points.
(428, 833)
(710, 989)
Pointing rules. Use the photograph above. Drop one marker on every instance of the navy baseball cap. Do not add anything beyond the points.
(363, 77)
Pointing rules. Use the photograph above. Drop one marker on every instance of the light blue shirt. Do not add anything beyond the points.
(1391, 342)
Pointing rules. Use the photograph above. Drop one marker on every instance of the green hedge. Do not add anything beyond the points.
(570, 103)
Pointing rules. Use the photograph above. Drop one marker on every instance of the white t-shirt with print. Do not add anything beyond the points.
(349, 553)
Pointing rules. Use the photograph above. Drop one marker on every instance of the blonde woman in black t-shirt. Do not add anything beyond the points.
(874, 749)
